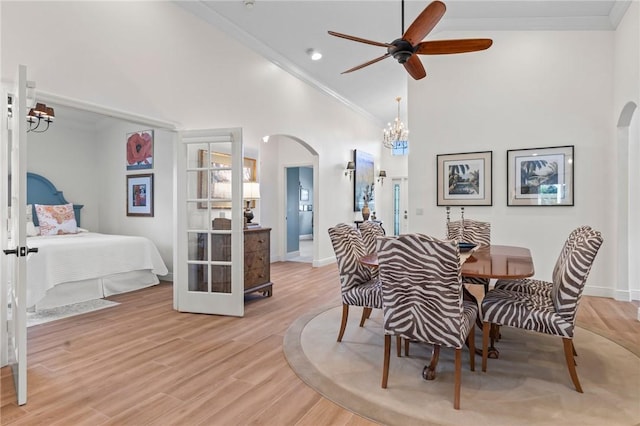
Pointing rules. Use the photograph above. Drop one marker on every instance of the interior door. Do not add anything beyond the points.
(15, 251)
(209, 255)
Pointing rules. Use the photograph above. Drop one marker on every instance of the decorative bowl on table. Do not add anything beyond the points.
(465, 247)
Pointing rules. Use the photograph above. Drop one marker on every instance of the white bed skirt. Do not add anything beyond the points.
(97, 288)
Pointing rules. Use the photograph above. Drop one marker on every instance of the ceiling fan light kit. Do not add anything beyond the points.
(405, 49)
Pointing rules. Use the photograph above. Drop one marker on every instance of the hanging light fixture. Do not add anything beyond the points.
(395, 132)
(37, 115)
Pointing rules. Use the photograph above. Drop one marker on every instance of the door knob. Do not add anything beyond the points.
(12, 251)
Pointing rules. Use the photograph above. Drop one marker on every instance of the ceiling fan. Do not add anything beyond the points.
(406, 49)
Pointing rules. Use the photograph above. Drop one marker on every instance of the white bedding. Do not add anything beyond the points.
(86, 255)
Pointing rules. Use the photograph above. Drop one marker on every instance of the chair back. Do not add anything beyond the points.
(570, 278)
(422, 289)
(470, 231)
(569, 244)
(370, 231)
(349, 248)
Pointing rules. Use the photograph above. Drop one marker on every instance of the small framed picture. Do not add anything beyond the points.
(304, 194)
(140, 150)
(140, 195)
(465, 179)
(540, 176)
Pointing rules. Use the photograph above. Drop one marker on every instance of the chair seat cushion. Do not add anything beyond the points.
(368, 294)
(526, 285)
(533, 312)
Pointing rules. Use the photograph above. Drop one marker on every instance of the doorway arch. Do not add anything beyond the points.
(628, 141)
(289, 151)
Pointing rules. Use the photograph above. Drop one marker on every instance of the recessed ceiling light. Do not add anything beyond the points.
(314, 54)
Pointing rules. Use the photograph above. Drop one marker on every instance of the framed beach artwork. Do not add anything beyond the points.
(465, 179)
(140, 150)
(364, 180)
(219, 183)
(140, 195)
(540, 176)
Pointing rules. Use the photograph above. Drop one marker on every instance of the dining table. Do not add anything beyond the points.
(484, 261)
(492, 261)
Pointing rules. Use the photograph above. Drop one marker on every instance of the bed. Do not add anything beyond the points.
(83, 266)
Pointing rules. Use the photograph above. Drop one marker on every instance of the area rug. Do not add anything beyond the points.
(528, 384)
(48, 315)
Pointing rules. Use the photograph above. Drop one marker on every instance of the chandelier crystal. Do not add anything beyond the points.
(395, 131)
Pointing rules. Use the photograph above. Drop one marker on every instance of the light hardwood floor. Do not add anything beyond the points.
(143, 363)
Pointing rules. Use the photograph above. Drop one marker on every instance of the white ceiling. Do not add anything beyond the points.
(282, 31)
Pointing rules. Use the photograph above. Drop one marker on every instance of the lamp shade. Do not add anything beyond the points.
(251, 190)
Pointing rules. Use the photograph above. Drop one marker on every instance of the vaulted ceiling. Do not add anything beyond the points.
(283, 32)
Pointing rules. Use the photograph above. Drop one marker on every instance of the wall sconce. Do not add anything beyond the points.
(381, 176)
(351, 167)
(40, 113)
(250, 191)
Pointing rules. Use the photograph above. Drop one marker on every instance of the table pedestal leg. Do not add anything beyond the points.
(429, 371)
(494, 335)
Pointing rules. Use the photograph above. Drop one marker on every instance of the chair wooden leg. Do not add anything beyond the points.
(385, 365)
(366, 313)
(571, 364)
(406, 347)
(471, 340)
(343, 324)
(458, 379)
(486, 329)
(398, 346)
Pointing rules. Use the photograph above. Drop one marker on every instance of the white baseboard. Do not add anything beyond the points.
(305, 237)
(324, 262)
(600, 292)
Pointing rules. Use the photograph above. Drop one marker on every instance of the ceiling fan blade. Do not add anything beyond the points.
(415, 68)
(425, 22)
(444, 47)
(373, 61)
(361, 40)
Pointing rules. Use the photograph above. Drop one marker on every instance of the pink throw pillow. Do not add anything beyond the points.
(56, 220)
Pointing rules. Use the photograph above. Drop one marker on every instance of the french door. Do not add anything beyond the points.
(209, 238)
(14, 260)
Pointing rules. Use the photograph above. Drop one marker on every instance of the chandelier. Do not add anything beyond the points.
(395, 132)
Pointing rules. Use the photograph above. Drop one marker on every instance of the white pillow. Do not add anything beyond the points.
(56, 220)
(32, 230)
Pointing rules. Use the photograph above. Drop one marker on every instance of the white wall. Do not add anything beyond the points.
(530, 89)
(157, 60)
(626, 94)
(68, 155)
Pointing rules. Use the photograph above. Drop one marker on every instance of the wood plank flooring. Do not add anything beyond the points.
(143, 363)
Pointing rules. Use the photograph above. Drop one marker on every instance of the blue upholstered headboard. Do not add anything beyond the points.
(41, 191)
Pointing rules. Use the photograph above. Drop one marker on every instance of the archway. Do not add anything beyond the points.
(282, 154)
(628, 140)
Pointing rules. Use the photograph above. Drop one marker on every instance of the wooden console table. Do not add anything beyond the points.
(257, 261)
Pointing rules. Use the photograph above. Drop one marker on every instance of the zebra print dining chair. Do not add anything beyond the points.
(552, 312)
(358, 287)
(471, 231)
(536, 286)
(422, 300)
(370, 231)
